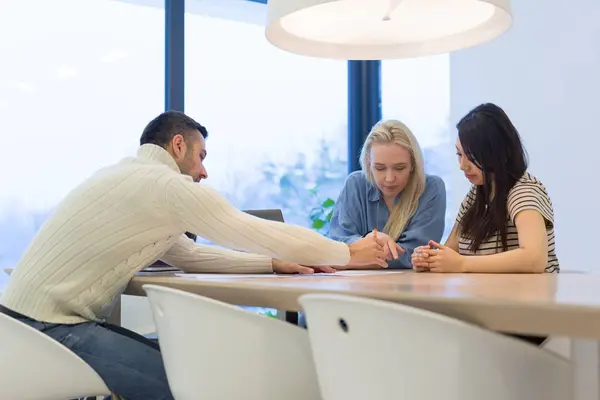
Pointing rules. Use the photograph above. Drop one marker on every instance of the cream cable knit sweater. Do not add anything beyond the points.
(128, 215)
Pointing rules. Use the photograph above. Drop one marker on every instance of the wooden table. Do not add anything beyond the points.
(566, 304)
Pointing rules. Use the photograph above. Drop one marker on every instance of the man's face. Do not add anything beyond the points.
(189, 155)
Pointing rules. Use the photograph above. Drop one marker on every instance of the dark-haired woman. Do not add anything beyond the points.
(506, 222)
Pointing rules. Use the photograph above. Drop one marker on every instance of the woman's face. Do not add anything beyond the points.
(472, 173)
(391, 166)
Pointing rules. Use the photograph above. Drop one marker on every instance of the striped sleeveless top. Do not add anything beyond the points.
(527, 194)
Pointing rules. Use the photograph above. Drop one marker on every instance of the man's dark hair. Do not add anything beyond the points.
(161, 130)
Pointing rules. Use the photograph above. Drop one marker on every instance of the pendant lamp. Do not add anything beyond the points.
(383, 29)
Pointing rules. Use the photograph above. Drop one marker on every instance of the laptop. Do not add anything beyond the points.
(269, 214)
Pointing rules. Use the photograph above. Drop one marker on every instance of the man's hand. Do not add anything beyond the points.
(438, 258)
(367, 251)
(283, 267)
(390, 247)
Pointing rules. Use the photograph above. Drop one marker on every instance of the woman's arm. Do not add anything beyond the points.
(345, 220)
(427, 223)
(453, 238)
(530, 208)
(530, 257)
(420, 255)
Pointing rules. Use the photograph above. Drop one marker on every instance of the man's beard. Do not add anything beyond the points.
(186, 165)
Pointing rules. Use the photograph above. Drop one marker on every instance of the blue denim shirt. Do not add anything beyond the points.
(360, 209)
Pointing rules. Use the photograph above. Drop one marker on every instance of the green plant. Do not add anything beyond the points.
(320, 215)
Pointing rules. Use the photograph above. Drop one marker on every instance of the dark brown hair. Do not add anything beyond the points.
(491, 142)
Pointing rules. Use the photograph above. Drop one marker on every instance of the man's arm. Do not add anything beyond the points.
(191, 257)
(203, 211)
(427, 224)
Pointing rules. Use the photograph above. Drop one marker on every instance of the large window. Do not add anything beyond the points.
(417, 92)
(80, 79)
(80, 86)
(277, 122)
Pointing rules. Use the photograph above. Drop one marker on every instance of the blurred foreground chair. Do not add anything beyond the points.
(216, 351)
(376, 350)
(36, 367)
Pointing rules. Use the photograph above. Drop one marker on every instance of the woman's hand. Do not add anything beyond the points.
(419, 259)
(390, 246)
(437, 258)
(367, 251)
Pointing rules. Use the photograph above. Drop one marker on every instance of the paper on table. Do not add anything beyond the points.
(229, 276)
(262, 276)
(358, 273)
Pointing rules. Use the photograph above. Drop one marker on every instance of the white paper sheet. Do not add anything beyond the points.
(359, 273)
(266, 276)
(229, 276)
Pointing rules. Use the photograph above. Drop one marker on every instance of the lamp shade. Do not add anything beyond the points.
(383, 29)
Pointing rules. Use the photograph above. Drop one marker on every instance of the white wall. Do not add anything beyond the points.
(545, 73)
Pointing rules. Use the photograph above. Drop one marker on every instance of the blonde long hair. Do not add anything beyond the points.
(393, 131)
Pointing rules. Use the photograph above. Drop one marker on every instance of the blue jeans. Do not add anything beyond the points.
(130, 365)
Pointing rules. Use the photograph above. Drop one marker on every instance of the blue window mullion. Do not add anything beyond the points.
(364, 105)
(175, 55)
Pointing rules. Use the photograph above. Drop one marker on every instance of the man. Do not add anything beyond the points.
(130, 214)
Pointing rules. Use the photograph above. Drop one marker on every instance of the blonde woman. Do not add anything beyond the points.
(391, 197)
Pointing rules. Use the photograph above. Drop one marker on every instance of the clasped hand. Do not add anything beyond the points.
(436, 258)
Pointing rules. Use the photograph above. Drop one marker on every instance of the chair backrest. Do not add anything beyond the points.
(213, 350)
(366, 348)
(35, 366)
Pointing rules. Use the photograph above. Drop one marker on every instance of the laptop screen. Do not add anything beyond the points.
(271, 215)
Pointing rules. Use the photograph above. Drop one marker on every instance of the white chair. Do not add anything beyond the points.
(370, 349)
(216, 351)
(36, 367)
(136, 315)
